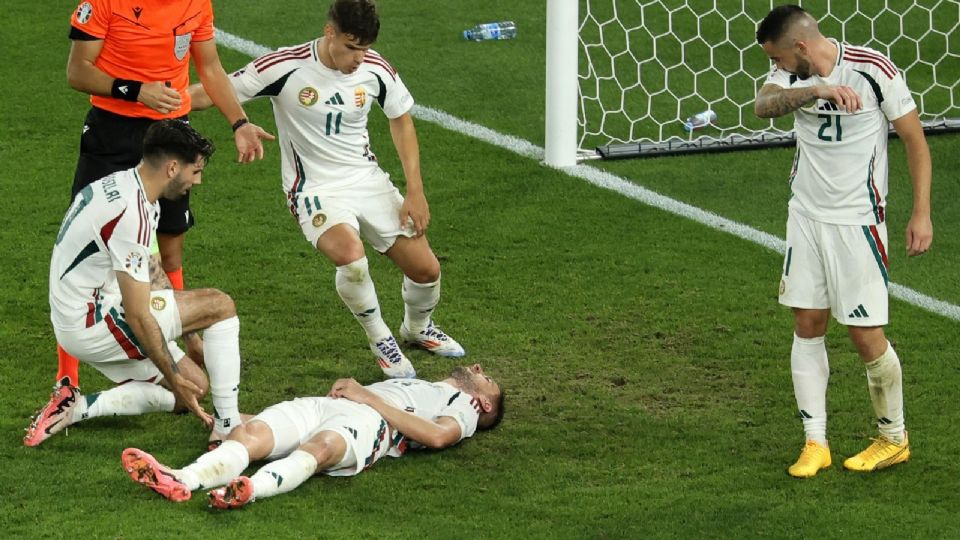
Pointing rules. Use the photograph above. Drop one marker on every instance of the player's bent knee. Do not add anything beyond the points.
(221, 304)
(256, 436)
(425, 275)
(327, 447)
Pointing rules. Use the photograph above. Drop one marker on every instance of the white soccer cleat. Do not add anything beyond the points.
(392, 360)
(432, 339)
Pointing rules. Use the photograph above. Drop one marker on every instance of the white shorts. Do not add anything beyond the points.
(109, 345)
(840, 267)
(372, 208)
(295, 422)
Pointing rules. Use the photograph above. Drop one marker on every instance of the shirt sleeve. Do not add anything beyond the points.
(252, 82)
(398, 100)
(205, 31)
(897, 99)
(128, 242)
(92, 17)
(465, 410)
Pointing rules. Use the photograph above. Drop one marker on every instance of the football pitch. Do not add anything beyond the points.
(644, 354)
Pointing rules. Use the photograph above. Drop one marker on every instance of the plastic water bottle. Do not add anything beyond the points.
(700, 120)
(497, 30)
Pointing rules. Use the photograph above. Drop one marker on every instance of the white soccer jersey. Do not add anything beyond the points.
(839, 174)
(321, 113)
(107, 229)
(430, 401)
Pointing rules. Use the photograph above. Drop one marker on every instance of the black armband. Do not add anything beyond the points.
(126, 89)
(239, 124)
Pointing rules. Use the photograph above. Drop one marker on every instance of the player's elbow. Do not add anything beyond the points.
(761, 111)
(440, 439)
(74, 77)
(436, 443)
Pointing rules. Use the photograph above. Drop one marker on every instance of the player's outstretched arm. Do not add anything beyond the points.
(221, 94)
(136, 307)
(437, 434)
(920, 226)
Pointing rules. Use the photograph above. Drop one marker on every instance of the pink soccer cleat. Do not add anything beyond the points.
(146, 470)
(55, 415)
(238, 493)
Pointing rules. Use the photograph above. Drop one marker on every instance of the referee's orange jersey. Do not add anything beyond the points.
(146, 41)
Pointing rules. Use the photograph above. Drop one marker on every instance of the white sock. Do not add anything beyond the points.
(885, 380)
(284, 474)
(124, 400)
(811, 372)
(216, 467)
(419, 301)
(357, 291)
(221, 351)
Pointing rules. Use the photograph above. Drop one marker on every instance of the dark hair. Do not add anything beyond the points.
(175, 139)
(498, 413)
(777, 22)
(359, 18)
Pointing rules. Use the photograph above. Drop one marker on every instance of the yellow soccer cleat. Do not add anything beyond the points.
(881, 454)
(813, 457)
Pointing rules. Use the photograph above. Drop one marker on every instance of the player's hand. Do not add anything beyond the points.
(845, 97)
(919, 234)
(416, 210)
(159, 97)
(350, 389)
(187, 393)
(249, 147)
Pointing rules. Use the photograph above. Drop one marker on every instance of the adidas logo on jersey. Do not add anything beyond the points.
(828, 106)
(335, 100)
(859, 313)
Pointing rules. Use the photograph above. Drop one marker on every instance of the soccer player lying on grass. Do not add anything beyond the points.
(338, 435)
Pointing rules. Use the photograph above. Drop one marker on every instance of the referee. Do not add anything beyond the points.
(133, 58)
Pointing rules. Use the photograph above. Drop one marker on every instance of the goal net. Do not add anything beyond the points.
(645, 66)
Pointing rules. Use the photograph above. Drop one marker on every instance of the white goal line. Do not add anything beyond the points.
(606, 180)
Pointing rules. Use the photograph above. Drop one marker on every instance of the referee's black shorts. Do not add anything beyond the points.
(111, 142)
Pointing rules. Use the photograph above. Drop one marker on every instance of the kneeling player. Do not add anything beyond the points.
(338, 437)
(104, 313)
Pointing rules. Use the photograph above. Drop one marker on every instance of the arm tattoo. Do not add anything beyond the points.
(773, 103)
(158, 278)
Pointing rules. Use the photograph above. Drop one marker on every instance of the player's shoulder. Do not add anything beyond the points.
(375, 63)
(868, 60)
(286, 58)
(86, 15)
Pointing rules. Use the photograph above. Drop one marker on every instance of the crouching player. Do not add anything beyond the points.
(104, 312)
(339, 435)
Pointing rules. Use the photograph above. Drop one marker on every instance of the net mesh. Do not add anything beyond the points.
(647, 65)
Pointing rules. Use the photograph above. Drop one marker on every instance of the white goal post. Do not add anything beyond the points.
(638, 68)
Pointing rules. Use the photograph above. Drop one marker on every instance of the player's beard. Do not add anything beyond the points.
(464, 379)
(803, 69)
(175, 189)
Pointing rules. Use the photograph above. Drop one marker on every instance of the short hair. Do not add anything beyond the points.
(775, 25)
(175, 139)
(359, 18)
(498, 413)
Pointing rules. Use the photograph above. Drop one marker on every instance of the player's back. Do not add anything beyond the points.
(88, 248)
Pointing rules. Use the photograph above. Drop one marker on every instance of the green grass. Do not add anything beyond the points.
(645, 356)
